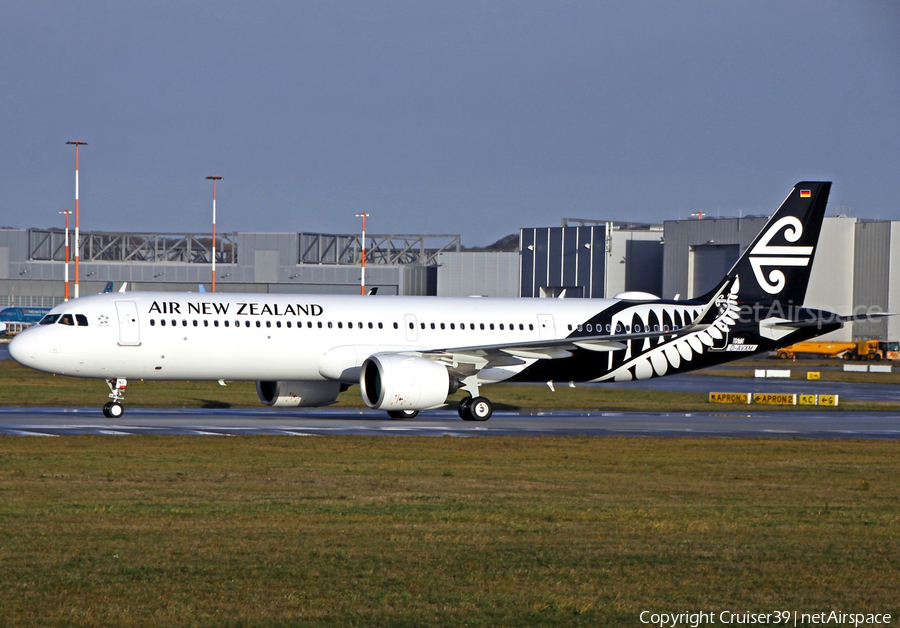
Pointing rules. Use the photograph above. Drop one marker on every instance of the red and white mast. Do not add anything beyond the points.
(362, 287)
(76, 144)
(214, 178)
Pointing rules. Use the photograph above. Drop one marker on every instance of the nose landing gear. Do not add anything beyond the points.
(114, 409)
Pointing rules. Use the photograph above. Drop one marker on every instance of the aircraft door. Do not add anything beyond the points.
(129, 329)
(412, 332)
(546, 328)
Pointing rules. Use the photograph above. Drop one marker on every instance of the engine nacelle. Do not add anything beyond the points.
(305, 394)
(390, 381)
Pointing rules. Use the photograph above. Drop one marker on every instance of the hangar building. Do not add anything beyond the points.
(854, 265)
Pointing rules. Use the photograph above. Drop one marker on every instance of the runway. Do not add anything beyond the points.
(325, 421)
(265, 421)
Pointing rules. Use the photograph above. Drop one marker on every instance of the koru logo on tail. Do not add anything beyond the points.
(767, 255)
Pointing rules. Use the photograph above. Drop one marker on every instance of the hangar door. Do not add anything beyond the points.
(708, 265)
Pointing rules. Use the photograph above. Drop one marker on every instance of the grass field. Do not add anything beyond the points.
(277, 531)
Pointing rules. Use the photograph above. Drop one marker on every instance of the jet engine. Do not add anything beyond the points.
(298, 394)
(391, 381)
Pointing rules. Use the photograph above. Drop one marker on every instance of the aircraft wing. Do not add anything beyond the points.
(474, 358)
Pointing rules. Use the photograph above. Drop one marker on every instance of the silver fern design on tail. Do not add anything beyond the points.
(655, 357)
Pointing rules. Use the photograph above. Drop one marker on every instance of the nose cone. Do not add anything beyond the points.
(23, 348)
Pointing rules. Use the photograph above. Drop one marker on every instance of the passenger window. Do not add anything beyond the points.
(278, 324)
(380, 326)
(329, 325)
(432, 325)
(340, 325)
(227, 324)
(370, 325)
(452, 325)
(501, 326)
(183, 322)
(442, 326)
(195, 322)
(162, 322)
(205, 323)
(258, 324)
(288, 323)
(268, 323)
(81, 319)
(481, 325)
(216, 323)
(530, 326)
(152, 322)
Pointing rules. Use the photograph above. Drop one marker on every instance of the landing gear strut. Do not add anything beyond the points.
(114, 409)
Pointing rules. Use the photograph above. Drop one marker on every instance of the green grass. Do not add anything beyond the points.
(276, 531)
(20, 386)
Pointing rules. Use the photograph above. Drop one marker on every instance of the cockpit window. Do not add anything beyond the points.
(49, 319)
(67, 319)
(81, 319)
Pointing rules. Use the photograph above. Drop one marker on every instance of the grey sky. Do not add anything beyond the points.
(442, 117)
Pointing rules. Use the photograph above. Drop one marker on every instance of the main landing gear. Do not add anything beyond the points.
(475, 409)
(114, 409)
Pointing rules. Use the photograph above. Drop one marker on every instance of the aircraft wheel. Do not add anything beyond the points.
(115, 410)
(403, 414)
(106, 408)
(480, 409)
(464, 409)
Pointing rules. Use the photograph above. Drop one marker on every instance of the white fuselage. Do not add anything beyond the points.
(204, 336)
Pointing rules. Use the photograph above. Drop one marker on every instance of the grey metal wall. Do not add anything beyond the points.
(872, 275)
(681, 235)
(481, 273)
(708, 263)
(557, 258)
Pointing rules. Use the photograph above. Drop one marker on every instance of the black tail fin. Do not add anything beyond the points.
(776, 265)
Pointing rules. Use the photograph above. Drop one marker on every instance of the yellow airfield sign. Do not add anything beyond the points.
(788, 399)
(719, 397)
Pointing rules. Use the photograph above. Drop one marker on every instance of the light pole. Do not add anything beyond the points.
(362, 286)
(76, 144)
(67, 212)
(214, 178)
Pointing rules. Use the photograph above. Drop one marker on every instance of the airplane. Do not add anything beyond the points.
(409, 354)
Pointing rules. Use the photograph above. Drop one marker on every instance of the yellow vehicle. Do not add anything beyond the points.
(861, 350)
(874, 350)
